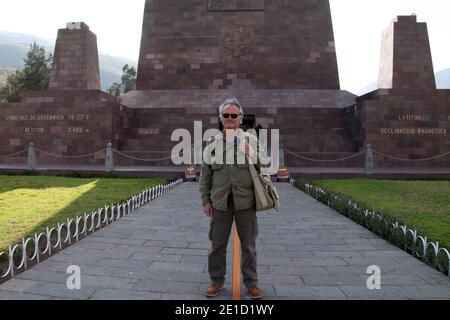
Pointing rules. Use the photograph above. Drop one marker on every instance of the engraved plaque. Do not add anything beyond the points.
(236, 5)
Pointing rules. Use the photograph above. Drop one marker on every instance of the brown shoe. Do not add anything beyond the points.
(213, 290)
(255, 292)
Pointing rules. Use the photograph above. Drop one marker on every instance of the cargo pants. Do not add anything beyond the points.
(219, 234)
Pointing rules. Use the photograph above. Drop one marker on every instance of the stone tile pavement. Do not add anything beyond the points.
(305, 251)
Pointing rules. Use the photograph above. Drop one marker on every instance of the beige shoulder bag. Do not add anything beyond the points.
(266, 194)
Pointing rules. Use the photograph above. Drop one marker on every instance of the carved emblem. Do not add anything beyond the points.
(238, 43)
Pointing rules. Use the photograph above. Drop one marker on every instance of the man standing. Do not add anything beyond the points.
(226, 188)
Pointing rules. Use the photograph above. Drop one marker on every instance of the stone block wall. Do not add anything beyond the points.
(240, 44)
(64, 123)
(408, 124)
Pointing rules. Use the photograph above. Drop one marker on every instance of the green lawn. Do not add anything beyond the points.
(28, 204)
(424, 205)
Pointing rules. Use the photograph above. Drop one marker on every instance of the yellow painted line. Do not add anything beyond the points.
(236, 277)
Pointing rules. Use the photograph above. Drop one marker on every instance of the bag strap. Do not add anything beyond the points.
(257, 184)
(252, 169)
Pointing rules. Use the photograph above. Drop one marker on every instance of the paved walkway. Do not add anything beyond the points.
(305, 251)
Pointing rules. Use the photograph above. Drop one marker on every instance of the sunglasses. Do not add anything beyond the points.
(227, 115)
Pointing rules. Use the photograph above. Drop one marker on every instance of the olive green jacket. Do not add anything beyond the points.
(218, 178)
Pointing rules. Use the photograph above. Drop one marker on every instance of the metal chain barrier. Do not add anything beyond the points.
(286, 150)
(319, 160)
(140, 159)
(362, 152)
(8, 156)
(69, 157)
(411, 160)
(32, 250)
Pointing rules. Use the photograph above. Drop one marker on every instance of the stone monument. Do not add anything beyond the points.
(277, 57)
(74, 117)
(407, 118)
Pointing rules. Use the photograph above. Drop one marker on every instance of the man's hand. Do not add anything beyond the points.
(208, 209)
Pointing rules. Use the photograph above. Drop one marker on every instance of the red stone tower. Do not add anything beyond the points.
(76, 65)
(237, 44)
(406, 61)
(406, 121)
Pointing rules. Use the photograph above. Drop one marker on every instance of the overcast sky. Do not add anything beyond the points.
(358, 25)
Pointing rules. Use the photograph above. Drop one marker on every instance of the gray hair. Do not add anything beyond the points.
(230, 102)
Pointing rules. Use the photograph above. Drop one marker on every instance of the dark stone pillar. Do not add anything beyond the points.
(406, 56)
(76, 65)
